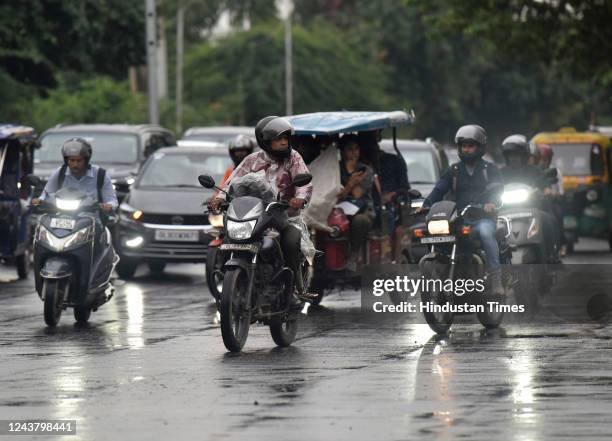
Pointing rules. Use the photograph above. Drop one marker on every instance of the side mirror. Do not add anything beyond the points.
(206, 181)
(414, 193)
(34, 180)
(301, 179)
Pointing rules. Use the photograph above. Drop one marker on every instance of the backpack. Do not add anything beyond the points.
(99, 183)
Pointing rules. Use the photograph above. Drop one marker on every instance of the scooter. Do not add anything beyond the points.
(72, 268)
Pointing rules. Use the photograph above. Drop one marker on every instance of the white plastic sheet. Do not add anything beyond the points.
(325, 172)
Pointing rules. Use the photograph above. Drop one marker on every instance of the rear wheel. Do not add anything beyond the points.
(126, 268)
(439, 321)
(81, 314)
(234, 310)
(214, 276)
(52, 294)
(528, 273)
(283, 331)
(24, 264)
(156, 266)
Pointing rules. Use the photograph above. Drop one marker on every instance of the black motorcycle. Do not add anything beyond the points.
(257, 284)
(72, 268)
(445, 234)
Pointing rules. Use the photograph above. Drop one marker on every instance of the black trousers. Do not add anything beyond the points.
(290, 237)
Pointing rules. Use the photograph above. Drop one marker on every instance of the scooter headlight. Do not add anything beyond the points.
(515, 196)
(240, 230)
(67, 204)
(438, 227)
(59, 244)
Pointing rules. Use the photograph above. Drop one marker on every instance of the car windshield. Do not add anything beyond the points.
(572, 159)
(421, 166)
(120, 148)
(182, 170)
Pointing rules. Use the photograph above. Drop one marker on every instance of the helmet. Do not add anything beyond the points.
(77, 147)
(516, 144)
(270, 128)
(546, 154)
(474, 134)
(240, 142)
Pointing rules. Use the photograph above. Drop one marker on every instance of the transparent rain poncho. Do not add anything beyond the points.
(256, 185)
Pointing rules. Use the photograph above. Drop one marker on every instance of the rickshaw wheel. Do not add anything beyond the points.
(23, 264)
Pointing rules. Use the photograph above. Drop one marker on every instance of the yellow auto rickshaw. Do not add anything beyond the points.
(583, 160)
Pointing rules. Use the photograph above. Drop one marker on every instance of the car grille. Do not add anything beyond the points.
(174, 250)
(174, 219)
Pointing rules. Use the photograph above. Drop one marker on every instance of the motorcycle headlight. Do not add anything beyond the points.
(67, 204)
(59, 244)
(515, 196)
(438, 227)
(216, 220)
(240, 230)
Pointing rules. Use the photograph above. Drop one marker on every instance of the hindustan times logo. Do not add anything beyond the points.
(411, 286)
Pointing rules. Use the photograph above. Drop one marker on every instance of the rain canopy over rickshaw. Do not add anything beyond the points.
(17, 144)
(317, 136)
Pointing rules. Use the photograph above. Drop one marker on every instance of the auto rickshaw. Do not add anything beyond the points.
(17, 144)
(317, 137)
(583, 158)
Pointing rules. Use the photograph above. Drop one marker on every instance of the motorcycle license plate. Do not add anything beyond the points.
(438, 239)
(239, 247)
(176, 236)
(64, 224)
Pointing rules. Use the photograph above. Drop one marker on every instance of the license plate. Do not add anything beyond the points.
(176, 236)
(64, 224)
(239, 247)
(438, 239)
(520, 215)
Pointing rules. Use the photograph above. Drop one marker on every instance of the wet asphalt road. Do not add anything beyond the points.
(151, 365)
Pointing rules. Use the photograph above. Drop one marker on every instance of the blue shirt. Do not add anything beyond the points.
(88, 183)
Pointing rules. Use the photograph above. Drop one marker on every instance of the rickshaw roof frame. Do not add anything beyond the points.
(25, 134)
(335, 123)
(571, 138)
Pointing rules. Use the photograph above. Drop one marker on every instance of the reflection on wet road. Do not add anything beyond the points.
(151, 365)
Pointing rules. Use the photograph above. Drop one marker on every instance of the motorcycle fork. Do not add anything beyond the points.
(251, 281)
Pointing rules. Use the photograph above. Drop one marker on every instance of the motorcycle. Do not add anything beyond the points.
(215, 257)
(257, 284)
(71, 269)
(522, 205)
(445, 232)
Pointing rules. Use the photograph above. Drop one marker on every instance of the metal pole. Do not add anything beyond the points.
(151, 41)
(288, 66)
(180, 22)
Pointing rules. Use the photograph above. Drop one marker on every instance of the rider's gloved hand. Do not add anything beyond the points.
(107, 208)
(214, 203)
(297, 203)
(489, 208)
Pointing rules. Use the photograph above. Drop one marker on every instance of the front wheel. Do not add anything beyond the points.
(235, 312)
(435, 300)
(126, 268)
(52, 294)
(283, 331)
(23, 264)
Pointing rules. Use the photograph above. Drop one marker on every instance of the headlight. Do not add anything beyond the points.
(592, 195)
(438, 227)
(417, 204)
(240, 230)
(515, 196)
(67, 204)
(216, 220)
(130, 212)
(59, 244)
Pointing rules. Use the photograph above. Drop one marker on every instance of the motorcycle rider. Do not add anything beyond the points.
(467, 180)
(78, 173)
(517, 153)
(556, 189)
(239, 148)
(280, 163)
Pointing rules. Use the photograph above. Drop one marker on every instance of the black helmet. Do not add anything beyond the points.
(240, 142)
(77, 147)
(474, 134)
(269, 128)
(516, 144)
